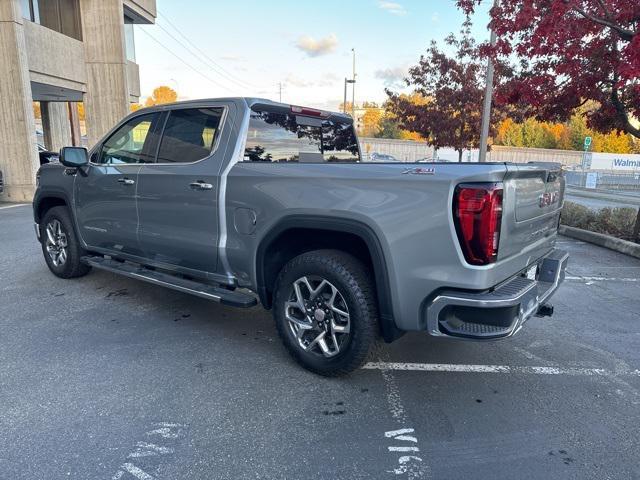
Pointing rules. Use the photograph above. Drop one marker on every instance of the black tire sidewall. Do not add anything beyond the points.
(362, 320)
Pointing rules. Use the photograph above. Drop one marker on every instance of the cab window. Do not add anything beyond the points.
(133, 142)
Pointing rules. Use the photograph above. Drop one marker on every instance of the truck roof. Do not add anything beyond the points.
(250, 101)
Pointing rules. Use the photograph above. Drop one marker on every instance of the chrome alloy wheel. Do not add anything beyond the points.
(318, 316)
(56, 243)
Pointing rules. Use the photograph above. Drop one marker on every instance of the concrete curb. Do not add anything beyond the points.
(606, 241)
(612, 197)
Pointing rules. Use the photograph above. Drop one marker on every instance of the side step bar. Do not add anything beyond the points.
(210, 292)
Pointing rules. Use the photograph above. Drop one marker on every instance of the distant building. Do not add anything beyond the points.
(59, 52)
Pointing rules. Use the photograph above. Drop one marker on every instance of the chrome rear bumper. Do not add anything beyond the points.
(501, 311)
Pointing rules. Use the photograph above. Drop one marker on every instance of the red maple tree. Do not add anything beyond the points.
(446, 105)
(570, 52)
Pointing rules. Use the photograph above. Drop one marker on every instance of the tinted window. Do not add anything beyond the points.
(133, 142)
(189, 135)
(285, 137)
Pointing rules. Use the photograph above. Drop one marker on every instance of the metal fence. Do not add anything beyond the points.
(605, 180)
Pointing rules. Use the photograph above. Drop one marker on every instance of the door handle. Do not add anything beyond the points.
(126, 181)
(200, 185)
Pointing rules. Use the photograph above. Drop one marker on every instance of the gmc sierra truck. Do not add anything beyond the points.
(241, 200)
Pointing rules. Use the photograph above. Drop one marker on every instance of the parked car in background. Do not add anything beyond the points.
(241, 200)
(46, 156)
(382, 158)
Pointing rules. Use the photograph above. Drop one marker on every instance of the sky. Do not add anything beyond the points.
(218, 48)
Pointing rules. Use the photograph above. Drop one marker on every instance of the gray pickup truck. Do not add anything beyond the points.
(241, 200)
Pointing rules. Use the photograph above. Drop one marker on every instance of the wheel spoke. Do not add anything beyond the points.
(298, 292)
(306, 325)
(318, 289)
(340, 328)
(51, 236)
(317, 340)
(325, 348)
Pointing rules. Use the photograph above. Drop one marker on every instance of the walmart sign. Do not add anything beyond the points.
(615, 161)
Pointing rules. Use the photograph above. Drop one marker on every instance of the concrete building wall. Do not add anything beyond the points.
(107, 97)
(54, 58)
(18, 155)
(40, 63)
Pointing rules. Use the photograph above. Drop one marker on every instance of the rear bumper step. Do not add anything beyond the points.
(501, 312)
(203, 290)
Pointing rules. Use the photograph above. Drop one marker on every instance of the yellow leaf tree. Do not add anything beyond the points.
(160, 95)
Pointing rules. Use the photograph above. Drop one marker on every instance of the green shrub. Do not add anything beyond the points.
(617, 222)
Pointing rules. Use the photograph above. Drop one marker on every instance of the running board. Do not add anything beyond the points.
(203, 290)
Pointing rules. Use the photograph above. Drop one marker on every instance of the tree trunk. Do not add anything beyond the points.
(459, 156)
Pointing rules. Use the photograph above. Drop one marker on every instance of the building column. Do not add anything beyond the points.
(55, 125)
(74, 119)
(107, 99)
(18, 154)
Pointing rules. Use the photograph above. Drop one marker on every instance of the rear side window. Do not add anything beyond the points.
(189, 135)
(275, 136)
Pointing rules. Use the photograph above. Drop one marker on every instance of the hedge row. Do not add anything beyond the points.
(617, 222)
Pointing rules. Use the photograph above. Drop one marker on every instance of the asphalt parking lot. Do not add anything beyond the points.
(108, 378)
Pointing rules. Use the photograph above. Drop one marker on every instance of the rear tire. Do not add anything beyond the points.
(60, 245)
(325, 311)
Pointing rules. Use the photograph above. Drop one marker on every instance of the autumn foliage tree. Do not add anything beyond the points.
(452, 91)
(160, 95)
(569, 52)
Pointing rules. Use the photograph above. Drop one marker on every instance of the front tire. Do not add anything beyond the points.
(60, 245)
(326, 312)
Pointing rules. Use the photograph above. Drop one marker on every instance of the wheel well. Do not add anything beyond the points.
(295, 241)
(277, 250)
(47, 204)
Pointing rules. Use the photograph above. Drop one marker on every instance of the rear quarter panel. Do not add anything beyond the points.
(411, 215)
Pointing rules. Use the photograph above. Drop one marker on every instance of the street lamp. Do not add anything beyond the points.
(344, 103)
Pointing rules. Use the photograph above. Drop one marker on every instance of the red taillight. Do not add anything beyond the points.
(477, 211)
(310, 112)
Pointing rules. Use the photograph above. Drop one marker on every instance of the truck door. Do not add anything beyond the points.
(178, 194)
(105, 192)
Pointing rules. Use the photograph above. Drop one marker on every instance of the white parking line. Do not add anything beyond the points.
(601, 279)
(14, 206)
(451, 367)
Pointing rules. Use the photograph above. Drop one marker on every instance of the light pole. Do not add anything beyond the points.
(488, 94)
(353, 87)
(344, 103)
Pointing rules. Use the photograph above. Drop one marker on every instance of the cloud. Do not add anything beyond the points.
(435, 18)
(392, 77)
(326, 80)
(392, 7)
(319, 47)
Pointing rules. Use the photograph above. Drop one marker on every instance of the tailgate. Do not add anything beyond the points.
(533, 198)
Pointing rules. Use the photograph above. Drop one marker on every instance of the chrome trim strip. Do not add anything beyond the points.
(237, 156)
